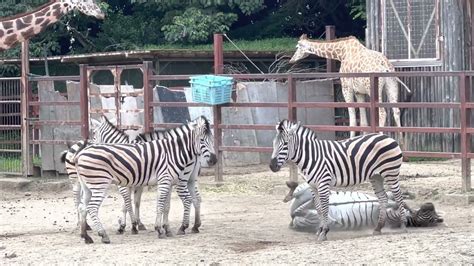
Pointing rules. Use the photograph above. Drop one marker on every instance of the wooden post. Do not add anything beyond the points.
(26, 155)
(330, 35)
(84, 101)
(465, 96)
(147, 97)
(217, 111)
(374, 99)
(292, 117)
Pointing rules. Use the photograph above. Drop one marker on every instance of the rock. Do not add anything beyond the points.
(10, 255)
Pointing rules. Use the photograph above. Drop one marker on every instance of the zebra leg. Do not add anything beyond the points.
(185, 197)
(197, 207)
(323, 191)
(82, 210)
(402, 207)
(377, 184)
(98, 195)
(166, 213)
(127, 207)
(137, 197)
(163, 190)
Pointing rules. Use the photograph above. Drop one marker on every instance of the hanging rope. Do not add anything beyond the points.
(227, 37)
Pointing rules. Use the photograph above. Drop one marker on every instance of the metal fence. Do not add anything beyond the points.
(10, 126)
(464, 131)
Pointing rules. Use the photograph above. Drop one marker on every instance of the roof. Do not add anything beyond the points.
(138, 56)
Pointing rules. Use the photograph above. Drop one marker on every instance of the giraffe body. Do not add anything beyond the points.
(355, 58)
(21, 27)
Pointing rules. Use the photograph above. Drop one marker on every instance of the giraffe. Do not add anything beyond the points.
(355, 57)
(21, 27)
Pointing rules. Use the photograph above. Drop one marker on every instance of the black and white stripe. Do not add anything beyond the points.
(160, 162)
(374, 157)
(107, 132)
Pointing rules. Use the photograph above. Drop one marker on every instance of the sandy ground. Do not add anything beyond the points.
(244, 221)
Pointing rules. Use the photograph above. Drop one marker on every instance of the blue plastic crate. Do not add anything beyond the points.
(211, 89)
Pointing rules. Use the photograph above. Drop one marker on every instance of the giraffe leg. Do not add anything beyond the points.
(392, 97)
(362, 111)
(348, 94)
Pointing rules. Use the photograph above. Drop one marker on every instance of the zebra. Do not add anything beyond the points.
(158, 162)
(107, 132)
(350, 210)
(325, 164)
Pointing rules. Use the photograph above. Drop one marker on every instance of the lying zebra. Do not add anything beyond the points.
(350, 210)
(158, 162)
(106, 132)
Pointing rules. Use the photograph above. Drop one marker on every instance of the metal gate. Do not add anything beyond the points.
(10, 126)
(114, 96)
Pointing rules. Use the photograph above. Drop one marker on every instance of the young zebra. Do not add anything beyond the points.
(158, 162)
(325, 164)
(106, 132)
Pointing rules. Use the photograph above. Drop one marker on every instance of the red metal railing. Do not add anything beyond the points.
(464, 105)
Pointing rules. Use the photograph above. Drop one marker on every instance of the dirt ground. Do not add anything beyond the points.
(244, 221)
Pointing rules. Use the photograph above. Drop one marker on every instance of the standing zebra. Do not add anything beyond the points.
(158, 162)
(324, 164)
(106, 132)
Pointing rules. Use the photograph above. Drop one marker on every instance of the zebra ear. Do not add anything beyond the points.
(95, 122)
(294, 127)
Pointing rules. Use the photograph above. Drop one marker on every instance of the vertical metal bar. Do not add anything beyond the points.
(292, 116)
(330, 35)
(374, 99)
(27, 159)
(84, 101)
(147, 97)
(465, 87)
(217, 111)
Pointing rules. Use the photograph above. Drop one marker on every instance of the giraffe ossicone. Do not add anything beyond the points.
(355, 58)
(21, 27)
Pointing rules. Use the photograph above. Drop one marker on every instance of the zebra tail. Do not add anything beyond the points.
(81, 147)
(64, 153)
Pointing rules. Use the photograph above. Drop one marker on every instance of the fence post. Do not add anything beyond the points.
(26, 155)
(330, 35)
(465, 96)
(374, 99)
(292, 117)
(147, 97)
(84, 101)
(217, 110)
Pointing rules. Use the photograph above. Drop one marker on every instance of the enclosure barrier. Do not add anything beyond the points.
(464, 106)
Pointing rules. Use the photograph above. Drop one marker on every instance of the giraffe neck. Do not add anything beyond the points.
(338, 49)
(20, 28)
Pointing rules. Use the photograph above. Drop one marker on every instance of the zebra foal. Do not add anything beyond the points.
(374, 157)
(158, 162)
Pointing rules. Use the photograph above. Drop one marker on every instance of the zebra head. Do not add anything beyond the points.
(106, 132)
(283, 140)
(427, 216)
(204, 139)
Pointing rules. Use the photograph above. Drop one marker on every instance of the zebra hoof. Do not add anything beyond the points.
(161, 235)
(121, 230)
(169, 234)
(377, 232)
(141, 227)
(195, 230)
(322, 238)
(87, 239)
(181, 232)
(134, 230)
(105, 240)
(88, 228)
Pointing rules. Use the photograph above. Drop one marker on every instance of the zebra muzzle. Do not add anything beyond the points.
(274, 165)
(212, 160)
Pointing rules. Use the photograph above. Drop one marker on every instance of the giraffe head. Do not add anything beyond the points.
(302, 49)
(87, 7)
